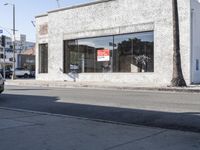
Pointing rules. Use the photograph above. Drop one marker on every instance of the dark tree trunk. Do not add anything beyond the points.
(177, 79)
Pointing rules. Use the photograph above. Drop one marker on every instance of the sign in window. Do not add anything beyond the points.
(132, 52)
(103, 55)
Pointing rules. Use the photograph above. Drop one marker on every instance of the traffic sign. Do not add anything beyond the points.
(1, 31)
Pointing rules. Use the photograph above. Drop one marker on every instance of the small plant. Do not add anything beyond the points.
(142, 59)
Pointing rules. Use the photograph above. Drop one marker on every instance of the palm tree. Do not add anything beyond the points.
(177, 78)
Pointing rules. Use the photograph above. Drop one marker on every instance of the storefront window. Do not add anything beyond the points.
(118, 53)
(133, 52)
(95, 54)
(43, 58)
(71, 59)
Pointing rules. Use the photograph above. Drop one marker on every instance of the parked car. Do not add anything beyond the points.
(22, 72)
(8, 73)
(1, 84)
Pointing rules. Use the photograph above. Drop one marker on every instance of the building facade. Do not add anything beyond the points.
(127, 41)
(26, 59)
(21, 45)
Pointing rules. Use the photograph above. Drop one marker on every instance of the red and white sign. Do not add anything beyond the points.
(103, 55)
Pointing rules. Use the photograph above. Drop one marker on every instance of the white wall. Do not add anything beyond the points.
(39, 40)
(118, 17)
(195, 26)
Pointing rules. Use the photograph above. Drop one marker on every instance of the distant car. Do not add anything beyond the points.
(8, 73)
(22, 72)
(1, 84)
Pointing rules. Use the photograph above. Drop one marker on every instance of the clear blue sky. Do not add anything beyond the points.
(26, 10)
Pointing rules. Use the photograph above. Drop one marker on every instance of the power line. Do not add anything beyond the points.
(6, 29)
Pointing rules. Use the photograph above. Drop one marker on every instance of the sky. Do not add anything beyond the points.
(26, 10)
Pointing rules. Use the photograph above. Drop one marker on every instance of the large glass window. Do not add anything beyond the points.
(43, 58)
(134, 52)
(71, 59)
(95, 54)
(118, 53)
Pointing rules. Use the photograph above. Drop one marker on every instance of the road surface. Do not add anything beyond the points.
(180, 111)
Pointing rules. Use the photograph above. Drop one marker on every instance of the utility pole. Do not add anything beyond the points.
(4, 63)
(58, 3)
(13, 5)
(13, 75)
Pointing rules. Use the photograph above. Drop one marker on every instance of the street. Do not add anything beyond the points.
(100, 75)
(178, 111)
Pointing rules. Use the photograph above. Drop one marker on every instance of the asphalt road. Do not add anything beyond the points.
(180, 111)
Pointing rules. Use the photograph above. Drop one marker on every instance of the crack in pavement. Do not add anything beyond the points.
(135, 140)
(20, 117)
(30, 125)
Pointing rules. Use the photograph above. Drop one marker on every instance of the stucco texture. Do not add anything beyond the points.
(117, 17)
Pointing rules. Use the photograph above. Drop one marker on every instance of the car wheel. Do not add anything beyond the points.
(26, 75)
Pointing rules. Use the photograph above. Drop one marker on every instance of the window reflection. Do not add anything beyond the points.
(134, 53)
(119, 53)
(90, 51)
(43, 58)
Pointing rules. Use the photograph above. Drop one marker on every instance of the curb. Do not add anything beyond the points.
(111, 87)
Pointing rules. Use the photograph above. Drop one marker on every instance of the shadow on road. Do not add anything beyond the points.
(187, 121)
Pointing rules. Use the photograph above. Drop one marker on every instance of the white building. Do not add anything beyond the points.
(20, 45)
(128, 41)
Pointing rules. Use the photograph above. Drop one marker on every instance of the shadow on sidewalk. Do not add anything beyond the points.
(187, 121)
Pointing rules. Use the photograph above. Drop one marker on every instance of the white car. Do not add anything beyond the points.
(21, 72)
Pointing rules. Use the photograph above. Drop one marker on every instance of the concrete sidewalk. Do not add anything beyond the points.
(99, 85)
(25, 130)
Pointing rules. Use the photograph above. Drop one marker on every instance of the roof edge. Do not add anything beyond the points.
(74, 6)
(42, 15)
(80, 5)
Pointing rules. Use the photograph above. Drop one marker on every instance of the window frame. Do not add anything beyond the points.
(43, 69)
(113, 37)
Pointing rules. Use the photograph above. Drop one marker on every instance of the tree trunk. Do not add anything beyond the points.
(177, 79)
